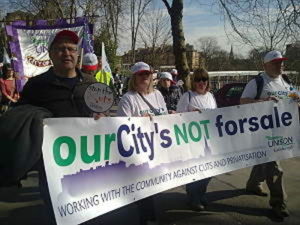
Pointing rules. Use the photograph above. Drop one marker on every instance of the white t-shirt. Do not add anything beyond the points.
(132, 104)
(275, 87)
(196, 101)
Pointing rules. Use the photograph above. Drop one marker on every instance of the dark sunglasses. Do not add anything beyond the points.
(199, 79)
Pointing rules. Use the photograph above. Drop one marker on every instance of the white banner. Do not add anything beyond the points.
(94, 167)
(34, 48)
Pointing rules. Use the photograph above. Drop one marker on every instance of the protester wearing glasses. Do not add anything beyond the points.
(198, 99)
(142, 100)
(60, 90)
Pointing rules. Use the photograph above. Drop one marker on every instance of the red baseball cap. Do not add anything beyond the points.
(65, 34)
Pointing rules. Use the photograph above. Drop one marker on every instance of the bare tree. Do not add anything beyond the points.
(155, 34)
(176, 13)
(46, 9)
(90, 8)
(137, 11)
(209, 48)
(111, 13)
(54, 9)
(262, 23)
(220, 61)
(255, 57)
(290, 11)
(114, 12)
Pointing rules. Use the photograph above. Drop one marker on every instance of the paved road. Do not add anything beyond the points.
(229, 204)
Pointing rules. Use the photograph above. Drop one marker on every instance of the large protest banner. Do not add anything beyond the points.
(29, 43)
(94, 167)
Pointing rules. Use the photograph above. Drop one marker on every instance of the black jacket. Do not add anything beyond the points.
(21, 129)
(21, 138)
(171, 96)
(49, 92)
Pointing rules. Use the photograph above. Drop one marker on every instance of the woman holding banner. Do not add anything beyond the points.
(142, 100)
(198, 99)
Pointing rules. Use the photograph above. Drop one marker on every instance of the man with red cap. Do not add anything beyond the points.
(52, 89)
(267, 86)
(60, 90)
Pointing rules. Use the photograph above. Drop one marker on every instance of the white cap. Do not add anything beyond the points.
(140, 67)
(174, 71)
(274, 56)
(165, 75)
(90, 61)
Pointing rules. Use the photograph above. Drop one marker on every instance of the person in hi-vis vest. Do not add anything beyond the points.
(104, 77)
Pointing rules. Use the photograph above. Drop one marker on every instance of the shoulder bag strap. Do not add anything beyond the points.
(259, 85)
(189, 96)
(156, 113)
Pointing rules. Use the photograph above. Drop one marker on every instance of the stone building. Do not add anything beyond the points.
(163, 57)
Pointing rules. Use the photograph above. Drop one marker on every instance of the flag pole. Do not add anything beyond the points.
(102, 52)
(81, 57)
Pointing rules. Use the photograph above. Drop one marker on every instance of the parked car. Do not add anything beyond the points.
(229, 94)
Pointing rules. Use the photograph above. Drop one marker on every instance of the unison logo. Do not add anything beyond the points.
(279, 141)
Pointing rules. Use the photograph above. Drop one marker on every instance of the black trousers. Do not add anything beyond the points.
(146, 210)
(197, 190)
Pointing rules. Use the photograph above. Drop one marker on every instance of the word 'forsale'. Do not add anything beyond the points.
(254, 123)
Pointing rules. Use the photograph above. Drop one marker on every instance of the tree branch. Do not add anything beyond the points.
(167, 6)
